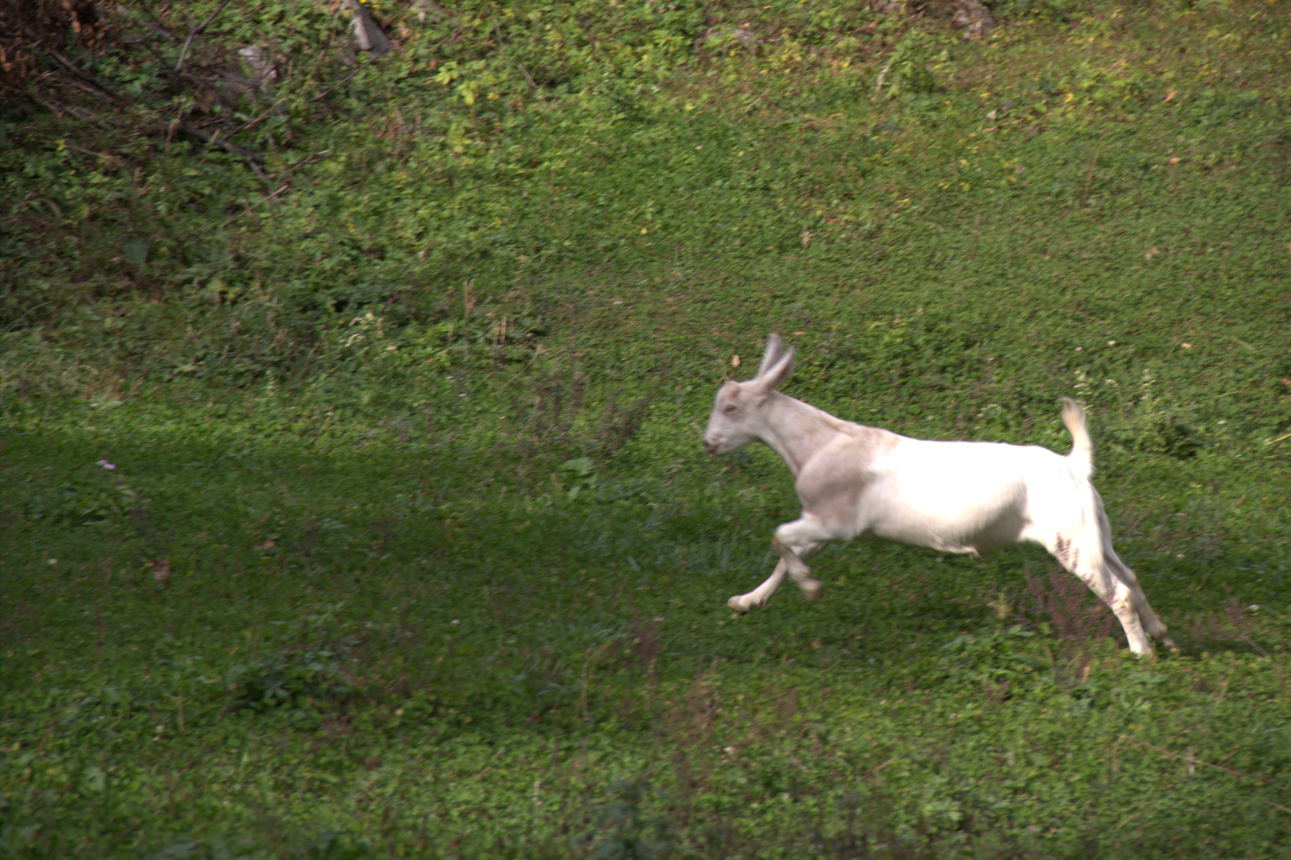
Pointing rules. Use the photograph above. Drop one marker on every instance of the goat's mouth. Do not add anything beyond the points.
(712, 447)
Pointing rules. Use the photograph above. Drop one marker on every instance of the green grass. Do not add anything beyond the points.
(410, 547)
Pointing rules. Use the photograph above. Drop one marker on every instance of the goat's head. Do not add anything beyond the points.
(736, 419)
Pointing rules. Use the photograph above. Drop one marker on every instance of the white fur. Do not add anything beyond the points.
(965, 497)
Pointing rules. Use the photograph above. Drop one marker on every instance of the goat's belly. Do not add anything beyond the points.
(960, 529)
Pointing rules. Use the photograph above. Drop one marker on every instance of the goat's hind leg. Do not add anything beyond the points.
(1102, 576)
(1149, 618)
(1122, 572)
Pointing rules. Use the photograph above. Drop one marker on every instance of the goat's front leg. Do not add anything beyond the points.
(759, 596)
(792, 558)
(798, 541)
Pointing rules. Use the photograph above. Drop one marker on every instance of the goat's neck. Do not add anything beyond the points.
(796, 430)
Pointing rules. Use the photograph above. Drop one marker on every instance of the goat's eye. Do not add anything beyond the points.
(729, 408)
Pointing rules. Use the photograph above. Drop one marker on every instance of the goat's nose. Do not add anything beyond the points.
(710, 447)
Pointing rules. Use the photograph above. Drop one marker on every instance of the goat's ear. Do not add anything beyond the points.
(770, 379)
(775, 349)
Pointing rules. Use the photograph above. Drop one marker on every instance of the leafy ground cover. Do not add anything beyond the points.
(353, 497)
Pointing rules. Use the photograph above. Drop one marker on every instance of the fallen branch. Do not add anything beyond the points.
(60, 108)
(87, 82)
(187, 129)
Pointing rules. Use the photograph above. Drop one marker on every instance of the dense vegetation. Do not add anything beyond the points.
(352, 496)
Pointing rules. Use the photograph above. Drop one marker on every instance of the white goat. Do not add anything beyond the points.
(965, 497)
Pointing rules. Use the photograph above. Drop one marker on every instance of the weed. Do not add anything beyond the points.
(1064, 609)
(626, 831)
(290, 678)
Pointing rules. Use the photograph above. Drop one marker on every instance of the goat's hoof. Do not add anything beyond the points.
(737, 605)
(811, 589)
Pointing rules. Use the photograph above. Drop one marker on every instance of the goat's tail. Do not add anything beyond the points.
(1082, 447)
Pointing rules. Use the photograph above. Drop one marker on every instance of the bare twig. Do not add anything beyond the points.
(268, 198)
(195, 32)
(86, 81)
(342, 81)
(1193, 760)
(107, 156)
(1276, 805)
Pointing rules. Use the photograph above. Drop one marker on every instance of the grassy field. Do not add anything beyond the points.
(352, 499)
